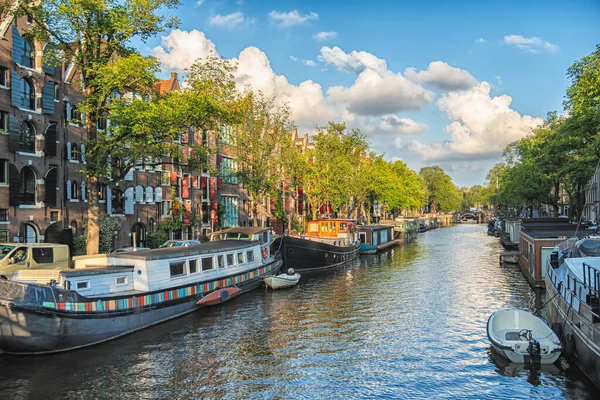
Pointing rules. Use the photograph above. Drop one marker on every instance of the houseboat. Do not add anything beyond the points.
(328, 243)
(107, 296)
(573, 287)
(376, 237)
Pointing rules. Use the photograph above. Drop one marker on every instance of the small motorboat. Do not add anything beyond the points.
(281, 281)
(219, 296)
(522, 337)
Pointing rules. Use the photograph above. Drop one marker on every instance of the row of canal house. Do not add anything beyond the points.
(42, 153)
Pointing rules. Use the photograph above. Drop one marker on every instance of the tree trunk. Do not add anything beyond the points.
(556, 200)
(93, 215)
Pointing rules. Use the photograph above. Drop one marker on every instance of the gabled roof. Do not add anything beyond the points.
(167, 85)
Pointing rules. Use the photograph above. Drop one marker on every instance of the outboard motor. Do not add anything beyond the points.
(535, 351)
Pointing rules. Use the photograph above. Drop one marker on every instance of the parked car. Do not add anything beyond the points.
(16, 256)
(126, 249)
(178, 243)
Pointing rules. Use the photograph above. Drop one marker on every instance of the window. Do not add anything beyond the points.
(3, 172)
(42, 255)
(250, 256)
(28, 56)
(228, 169)
(75, 191)
(166, 207)
(220, 261)
(193, 264)
(3, 236)
(29, 19)
(177, 269)
(53, 215)
(83, 285)
(3, 76)
(102, 123)
(121, 280)
(226, 134)
(3, 121)
(3, 214)
(151, 224)
(74, 226)
(230, 218)
(240, 258)
(230, 261)
(207, 264)
(27, 138)
(28, 95)
(74, 152)
(75, 115)
(27, 186)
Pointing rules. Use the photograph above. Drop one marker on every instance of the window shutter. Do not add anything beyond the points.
(17, 87)
(68, 190)
(47, 67)
(50, 183)
(48, 98)
(14, 182)
(139, 194)
(18, 46)
(149, 194)
(129, 201)
(109, 166)
(50, 141)
(173, 178)
(68, 150)
(129, 175)
(69, 112)
(158, 195)
(108, 201)
(83, 194)
(82, 154)
(14, 130)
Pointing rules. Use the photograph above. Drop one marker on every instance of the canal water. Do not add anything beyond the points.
(408, 323)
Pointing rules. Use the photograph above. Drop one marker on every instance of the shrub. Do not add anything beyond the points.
(155, 239)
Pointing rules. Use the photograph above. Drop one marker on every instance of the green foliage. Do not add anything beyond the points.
(583, 96)
(156, 238)
(108, 225)
(297, 226)
(79, 245)
(442, 194)
(203, 239)
(279, 208)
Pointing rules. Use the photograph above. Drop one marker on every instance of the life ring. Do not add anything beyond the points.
(264, 252)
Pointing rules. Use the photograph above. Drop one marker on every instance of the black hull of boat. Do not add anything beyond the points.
(568, 325)
(305, 255)
(32, 329)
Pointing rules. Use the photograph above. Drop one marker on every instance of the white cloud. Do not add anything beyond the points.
(321, 36)
(180, 49)
(531, 45)
(481, 126)
(199, 2)
(293, 58)
(481, 40)
(442, 76)
(309, 63)
(392, 124)
(354, 62)
(291, 18)
(227, 21)
(498, 79)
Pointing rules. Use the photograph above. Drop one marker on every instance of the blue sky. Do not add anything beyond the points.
(446, 83)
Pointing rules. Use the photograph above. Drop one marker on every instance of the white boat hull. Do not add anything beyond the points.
(510, 332)
(282, 281)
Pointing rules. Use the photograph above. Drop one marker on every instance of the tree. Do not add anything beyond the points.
(583, 96)
(442, 193)
(95, 36)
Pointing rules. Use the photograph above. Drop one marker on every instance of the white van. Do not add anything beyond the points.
(16, 256)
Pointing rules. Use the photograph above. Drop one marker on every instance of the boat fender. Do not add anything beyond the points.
(264, 252)
(224, 295)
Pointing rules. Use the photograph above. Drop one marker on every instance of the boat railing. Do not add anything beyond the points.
(569, 292)
(566, 244)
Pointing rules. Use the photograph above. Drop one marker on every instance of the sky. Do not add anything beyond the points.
(446, 83)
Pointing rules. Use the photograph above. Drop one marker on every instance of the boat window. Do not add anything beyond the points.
(245, 236)
(232, 236)
(250, 256)
(83, 285)
(240, 258)
(4, 250)
(43, 255)
(313, 227)
(343, 227)
(193, 266)
(220, 261)
(177, 268)
(121, 280)
(265, 237)
(230, 260)
(207, 264)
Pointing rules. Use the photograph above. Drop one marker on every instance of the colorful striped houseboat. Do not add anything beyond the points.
(107, 296)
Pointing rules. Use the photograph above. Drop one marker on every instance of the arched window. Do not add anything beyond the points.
(27, 186)
(75, 115)
(74, 152)
(28, 57)
(151, 224)
(74, 226)
(27, 137)
(28, 95)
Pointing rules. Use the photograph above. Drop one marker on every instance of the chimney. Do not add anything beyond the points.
(173, 76)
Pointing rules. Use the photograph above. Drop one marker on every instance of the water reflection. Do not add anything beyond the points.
(406, 323)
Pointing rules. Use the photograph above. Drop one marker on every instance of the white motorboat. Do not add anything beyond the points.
(522, 337)
(282, 281)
